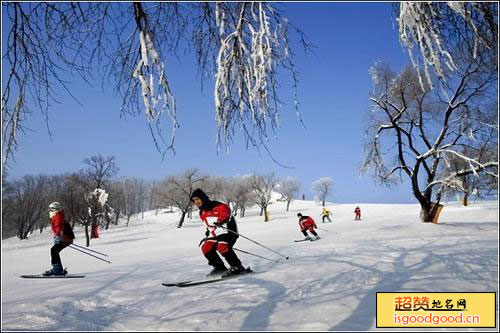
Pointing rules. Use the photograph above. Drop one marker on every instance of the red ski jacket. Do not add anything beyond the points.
(219, 214)
(60, 227)
(306, 222)
(56, 222)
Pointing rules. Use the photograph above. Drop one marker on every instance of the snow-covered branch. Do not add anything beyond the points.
(452, 180)
(437, 28)
(150, 72)
(252, 47)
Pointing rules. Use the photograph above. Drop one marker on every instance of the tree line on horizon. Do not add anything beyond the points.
(434, 123)
(25, 200)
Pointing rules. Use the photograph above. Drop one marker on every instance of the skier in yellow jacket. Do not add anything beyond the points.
(325, 214)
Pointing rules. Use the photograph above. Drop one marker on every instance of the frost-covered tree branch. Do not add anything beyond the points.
(323, 188)
(242, 45)
(412, 129)
(253, 45)
(288, 188)
(150, 72)
(441, 31)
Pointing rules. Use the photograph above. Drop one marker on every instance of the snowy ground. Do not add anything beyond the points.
(330, 284)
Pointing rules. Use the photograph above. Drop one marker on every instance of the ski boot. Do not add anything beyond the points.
(56, 270)
(217, 271)
(235, 270)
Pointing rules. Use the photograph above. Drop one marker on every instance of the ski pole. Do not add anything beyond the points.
(325, 230)
(75, 248)
(87, 249)
(234, 232)
(253, 254)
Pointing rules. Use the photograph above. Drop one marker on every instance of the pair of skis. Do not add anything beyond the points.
(306, 239)
(41, 276)
(191, 283)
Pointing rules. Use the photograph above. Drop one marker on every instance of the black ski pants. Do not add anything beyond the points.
(310, 230)
(55, 258)
(230, 256)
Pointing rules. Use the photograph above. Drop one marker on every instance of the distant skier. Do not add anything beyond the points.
(215, 214)
(325, 214)
(307, 223)
(95, 231)
(357, 211)
(63, 236)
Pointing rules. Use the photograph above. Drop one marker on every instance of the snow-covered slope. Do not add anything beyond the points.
(330, 284)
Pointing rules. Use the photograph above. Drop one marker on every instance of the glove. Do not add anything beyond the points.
(219, 223)
(57, 240)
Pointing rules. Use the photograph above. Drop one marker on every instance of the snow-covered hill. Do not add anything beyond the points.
(330, 284)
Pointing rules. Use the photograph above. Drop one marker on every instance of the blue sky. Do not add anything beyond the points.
(334, 86)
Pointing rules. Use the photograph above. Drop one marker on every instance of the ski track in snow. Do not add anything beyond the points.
(330, 284)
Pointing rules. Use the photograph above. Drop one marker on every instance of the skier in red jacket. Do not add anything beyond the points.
(63, 236)
(357, 211)
(214, 215)
(307, 223)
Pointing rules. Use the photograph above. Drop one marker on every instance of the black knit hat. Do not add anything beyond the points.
(299, 214)
(206, 203)
(200, 194)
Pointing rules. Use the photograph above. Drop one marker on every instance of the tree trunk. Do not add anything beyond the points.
(27, 231)
(288, 205)
(266, 215)
(429, 213)
(242, 212)
(182, 219)
(261, 210)
(87, 236)
(425, 213)
(323, 203)
(20, 233)
(108, 219)
(465, 199)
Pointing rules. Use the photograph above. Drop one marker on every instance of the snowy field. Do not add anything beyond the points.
(330, 284)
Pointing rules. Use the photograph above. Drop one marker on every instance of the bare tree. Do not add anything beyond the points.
(323, 188)
(133, 194)
(441, 29)
(413, 131)
(96, 201)
(262, 186)
(482, 185)
(24, 204)
(99, 171)
(289, 188)
(241, 194)
(72, 197)
(97, 175)
(177, 190)
(244, 44)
